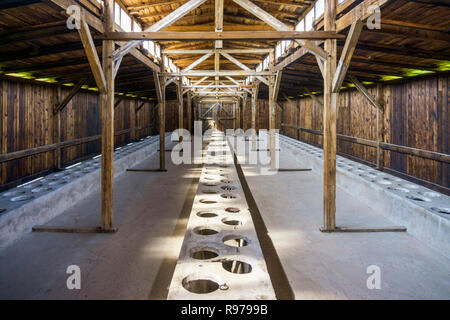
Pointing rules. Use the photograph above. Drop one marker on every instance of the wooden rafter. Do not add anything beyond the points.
(280, 26)
(243, 66)
(161, 24)
(347, 54)
(373, 101)
(60, 106)
(91, 54)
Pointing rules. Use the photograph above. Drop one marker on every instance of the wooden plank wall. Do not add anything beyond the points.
(225, 112)
(262, 114)
(416, 116)
(172, 115)
(27, 121)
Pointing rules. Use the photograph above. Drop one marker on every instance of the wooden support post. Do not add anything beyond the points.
(329, 116)
(107, 118)
(298, 118)
(272, 113)
(238, 112)
(180, 109)
(57, 131)
(216, 65)
(380, 127)
(234, 116)
(275, 94)
(196, 109)
(244, 106)
(162, 119)
(254, 103)
(189, 112)
(214, 115)
(162, 126)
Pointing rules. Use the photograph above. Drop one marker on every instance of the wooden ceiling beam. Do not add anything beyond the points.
(410, 33)
(302, 4)
(97, 24)
(406, 52)
(413, 25)
(434, 3)
(212, 73)
(151, 4)
(36, 52)
(11, 4)
(226, 35)
(12, 37)
(226, 27)
(390, 64)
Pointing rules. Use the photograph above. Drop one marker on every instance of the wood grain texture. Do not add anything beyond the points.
(416, 115)
(27, 121)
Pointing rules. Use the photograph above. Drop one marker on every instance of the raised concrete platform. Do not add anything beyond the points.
(39, 201)
(424, 212)
(334, 266)
(221, 257)
(136, 262)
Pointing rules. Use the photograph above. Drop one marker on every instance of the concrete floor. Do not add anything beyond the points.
(334, 266)
(151, 211)
(137, 262)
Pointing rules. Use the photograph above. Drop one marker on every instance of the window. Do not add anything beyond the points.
(320, 8)
(136, 27)
(286, 44)
(151, 47)
(117, 13)
(171, 66)
(265, 63)
(158, 51)
(309, 20)
(125, 21)
(300, 26)
(278, 51)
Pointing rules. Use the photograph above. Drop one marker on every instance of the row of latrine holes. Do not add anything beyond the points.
(202, 286)
(386, 181)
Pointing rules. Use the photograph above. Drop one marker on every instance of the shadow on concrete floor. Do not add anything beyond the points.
(160, 288)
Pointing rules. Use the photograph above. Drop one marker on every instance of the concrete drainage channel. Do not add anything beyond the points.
(221, 258)
(424, 212)
(39, 201)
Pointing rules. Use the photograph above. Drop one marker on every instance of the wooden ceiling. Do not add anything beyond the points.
(413, 40)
